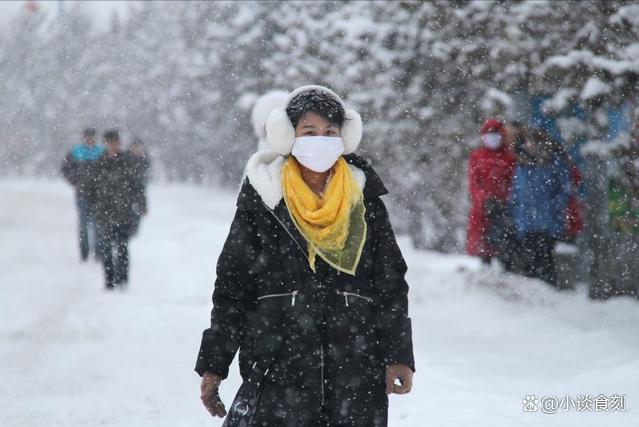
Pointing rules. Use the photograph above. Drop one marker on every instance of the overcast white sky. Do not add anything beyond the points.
(102, 10)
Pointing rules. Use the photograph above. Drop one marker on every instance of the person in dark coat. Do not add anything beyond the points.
(540, 196)
(141, 169)
(76, 169)
(113, 195)
(490, 174)
(617, 271)
(328, 323)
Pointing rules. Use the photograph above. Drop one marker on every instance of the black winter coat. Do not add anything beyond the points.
(78, 173)
(332, 334)
(114, 190)
(141, 169)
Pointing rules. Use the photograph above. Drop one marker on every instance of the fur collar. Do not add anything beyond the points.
(264, 170)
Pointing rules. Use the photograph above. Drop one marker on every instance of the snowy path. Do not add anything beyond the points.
(74, 355)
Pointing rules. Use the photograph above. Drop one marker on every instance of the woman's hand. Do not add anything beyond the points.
(210, 396)
(402, 373)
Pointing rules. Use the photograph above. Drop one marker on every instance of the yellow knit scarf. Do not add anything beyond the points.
(334, 225)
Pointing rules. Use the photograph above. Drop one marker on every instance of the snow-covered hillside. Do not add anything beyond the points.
(72, 354)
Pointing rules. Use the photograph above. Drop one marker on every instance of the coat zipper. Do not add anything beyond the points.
(347, 294)
(322, 370)
(287, 294)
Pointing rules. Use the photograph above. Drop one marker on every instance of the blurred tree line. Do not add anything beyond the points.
(424, 75)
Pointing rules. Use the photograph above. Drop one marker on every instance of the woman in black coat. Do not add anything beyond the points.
(327, 323)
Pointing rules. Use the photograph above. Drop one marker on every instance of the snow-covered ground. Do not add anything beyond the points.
(72, 354)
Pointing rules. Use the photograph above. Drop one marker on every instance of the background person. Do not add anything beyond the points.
(540, 195)
(141, 169)
(76, 168)
(113, 196)
(490, 175)
(617, 271)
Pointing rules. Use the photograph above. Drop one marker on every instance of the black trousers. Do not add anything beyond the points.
(114, 242)
(292, 406)
(536, 257)
(500, 234)
(615, 270)
(84, 225)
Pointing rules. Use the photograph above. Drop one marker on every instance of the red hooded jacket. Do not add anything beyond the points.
(490, 176)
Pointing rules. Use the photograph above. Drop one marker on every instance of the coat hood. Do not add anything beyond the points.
(547, 148)
(492, 125)
(495, 126)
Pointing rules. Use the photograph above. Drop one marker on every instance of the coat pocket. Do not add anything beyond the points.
(350, 297)
(354, 320)
(353, 348)
(285, 295)
(278, 336)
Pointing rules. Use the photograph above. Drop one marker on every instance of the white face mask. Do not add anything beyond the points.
(318, 153)
(491, 140)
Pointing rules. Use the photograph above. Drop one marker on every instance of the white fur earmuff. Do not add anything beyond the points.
(280, 133)
(263, 107)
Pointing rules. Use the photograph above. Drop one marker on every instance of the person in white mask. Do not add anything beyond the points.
(492, 140)
(490, 176)
(311, 283)
(317, 147)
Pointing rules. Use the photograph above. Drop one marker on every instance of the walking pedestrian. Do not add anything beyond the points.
(113, 196)
(310, 283)
(76, 168)
(141, 169)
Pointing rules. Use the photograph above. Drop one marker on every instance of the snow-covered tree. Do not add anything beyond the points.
(424, 75)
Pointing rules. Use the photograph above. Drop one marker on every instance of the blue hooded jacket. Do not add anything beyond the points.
(540, 196)
(80, 152)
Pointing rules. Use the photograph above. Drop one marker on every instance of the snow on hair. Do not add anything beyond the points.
(280, 133)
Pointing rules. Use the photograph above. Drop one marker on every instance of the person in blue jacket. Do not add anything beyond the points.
(76, 168)
(539, 198)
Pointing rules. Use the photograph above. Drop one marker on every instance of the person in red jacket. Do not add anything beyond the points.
(491, 168)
